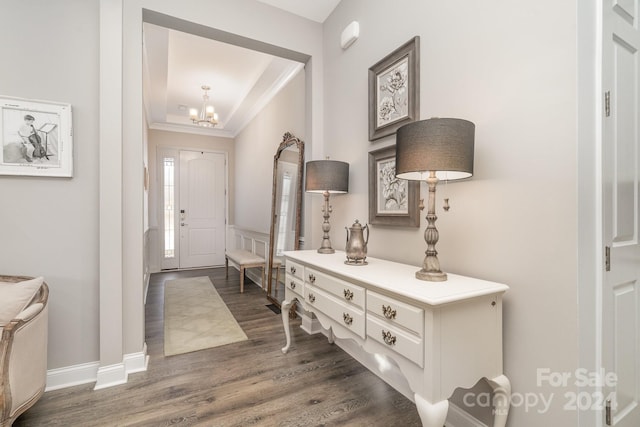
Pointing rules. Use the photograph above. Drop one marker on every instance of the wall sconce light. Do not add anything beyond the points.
(431, 150)
(326, 177)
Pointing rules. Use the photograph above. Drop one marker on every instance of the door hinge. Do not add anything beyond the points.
(607, 104)
(607, 258)
(607, 413)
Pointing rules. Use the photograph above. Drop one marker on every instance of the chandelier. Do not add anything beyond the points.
(207, 117)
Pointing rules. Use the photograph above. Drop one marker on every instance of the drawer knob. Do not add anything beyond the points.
(292, 269)
(312, 278)
(388, 312)
(312, 298)
(293, 284)
(388, 338)
(347, 319)
(348, 295)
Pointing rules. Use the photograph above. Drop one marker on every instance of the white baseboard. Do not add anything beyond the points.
(255, 277)
(110, 376)
(456, 417)
(136, 362)
(104, 377)
(72, 375)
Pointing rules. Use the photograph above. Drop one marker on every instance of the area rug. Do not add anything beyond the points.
(195, 317)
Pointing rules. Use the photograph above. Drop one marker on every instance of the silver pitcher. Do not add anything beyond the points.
(356, 248)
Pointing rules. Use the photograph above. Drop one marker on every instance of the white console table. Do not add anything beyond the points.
(442, 335)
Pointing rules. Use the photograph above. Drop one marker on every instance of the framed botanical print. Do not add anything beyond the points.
(392, 201)
(394, 90)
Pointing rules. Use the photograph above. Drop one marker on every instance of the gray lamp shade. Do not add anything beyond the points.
(444, 146)
(327, 175)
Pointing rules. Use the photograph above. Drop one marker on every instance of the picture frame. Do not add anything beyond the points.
(394, 90)
(36, 138)
(392, 201)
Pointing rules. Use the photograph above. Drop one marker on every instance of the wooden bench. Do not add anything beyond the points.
(243, 259)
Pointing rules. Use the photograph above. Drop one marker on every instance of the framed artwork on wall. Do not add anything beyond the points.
(392, 201)
(36, 138)
(394, 90)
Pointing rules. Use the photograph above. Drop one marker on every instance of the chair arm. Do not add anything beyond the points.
(29, 312)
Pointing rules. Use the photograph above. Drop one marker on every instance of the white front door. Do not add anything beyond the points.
(202, 209)
(192, 206)
(621, 212)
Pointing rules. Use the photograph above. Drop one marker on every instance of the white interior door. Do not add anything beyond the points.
(202, 209)
(621, 160)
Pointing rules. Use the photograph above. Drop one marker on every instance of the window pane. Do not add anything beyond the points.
(169, 211)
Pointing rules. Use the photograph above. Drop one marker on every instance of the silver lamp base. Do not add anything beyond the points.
(431, 276)
(431, 266)
(325, 246)
(326, 251)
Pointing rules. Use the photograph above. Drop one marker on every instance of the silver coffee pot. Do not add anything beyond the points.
(356, 247)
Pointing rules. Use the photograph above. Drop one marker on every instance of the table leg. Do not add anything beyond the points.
(284, 309)
(432, 414)
(502, 399)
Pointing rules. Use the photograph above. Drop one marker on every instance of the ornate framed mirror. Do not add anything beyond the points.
(286, 201)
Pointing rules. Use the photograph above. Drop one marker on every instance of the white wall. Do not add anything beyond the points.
(255, 147)
(509, 67)
(49, 226)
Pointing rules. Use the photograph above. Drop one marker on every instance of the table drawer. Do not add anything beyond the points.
(295, 269)
(401, 342)
(340, 312)
(343, 291)
(396, 312)
(295, 285)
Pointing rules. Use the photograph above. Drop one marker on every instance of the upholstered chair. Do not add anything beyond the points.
(23, 344)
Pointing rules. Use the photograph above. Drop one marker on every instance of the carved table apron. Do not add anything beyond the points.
(442, 335)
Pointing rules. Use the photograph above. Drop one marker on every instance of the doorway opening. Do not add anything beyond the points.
(193, 203)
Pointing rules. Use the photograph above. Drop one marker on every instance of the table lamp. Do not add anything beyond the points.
(431, 150)
(326, 177)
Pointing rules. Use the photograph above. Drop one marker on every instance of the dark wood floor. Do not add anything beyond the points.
(250, 383)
